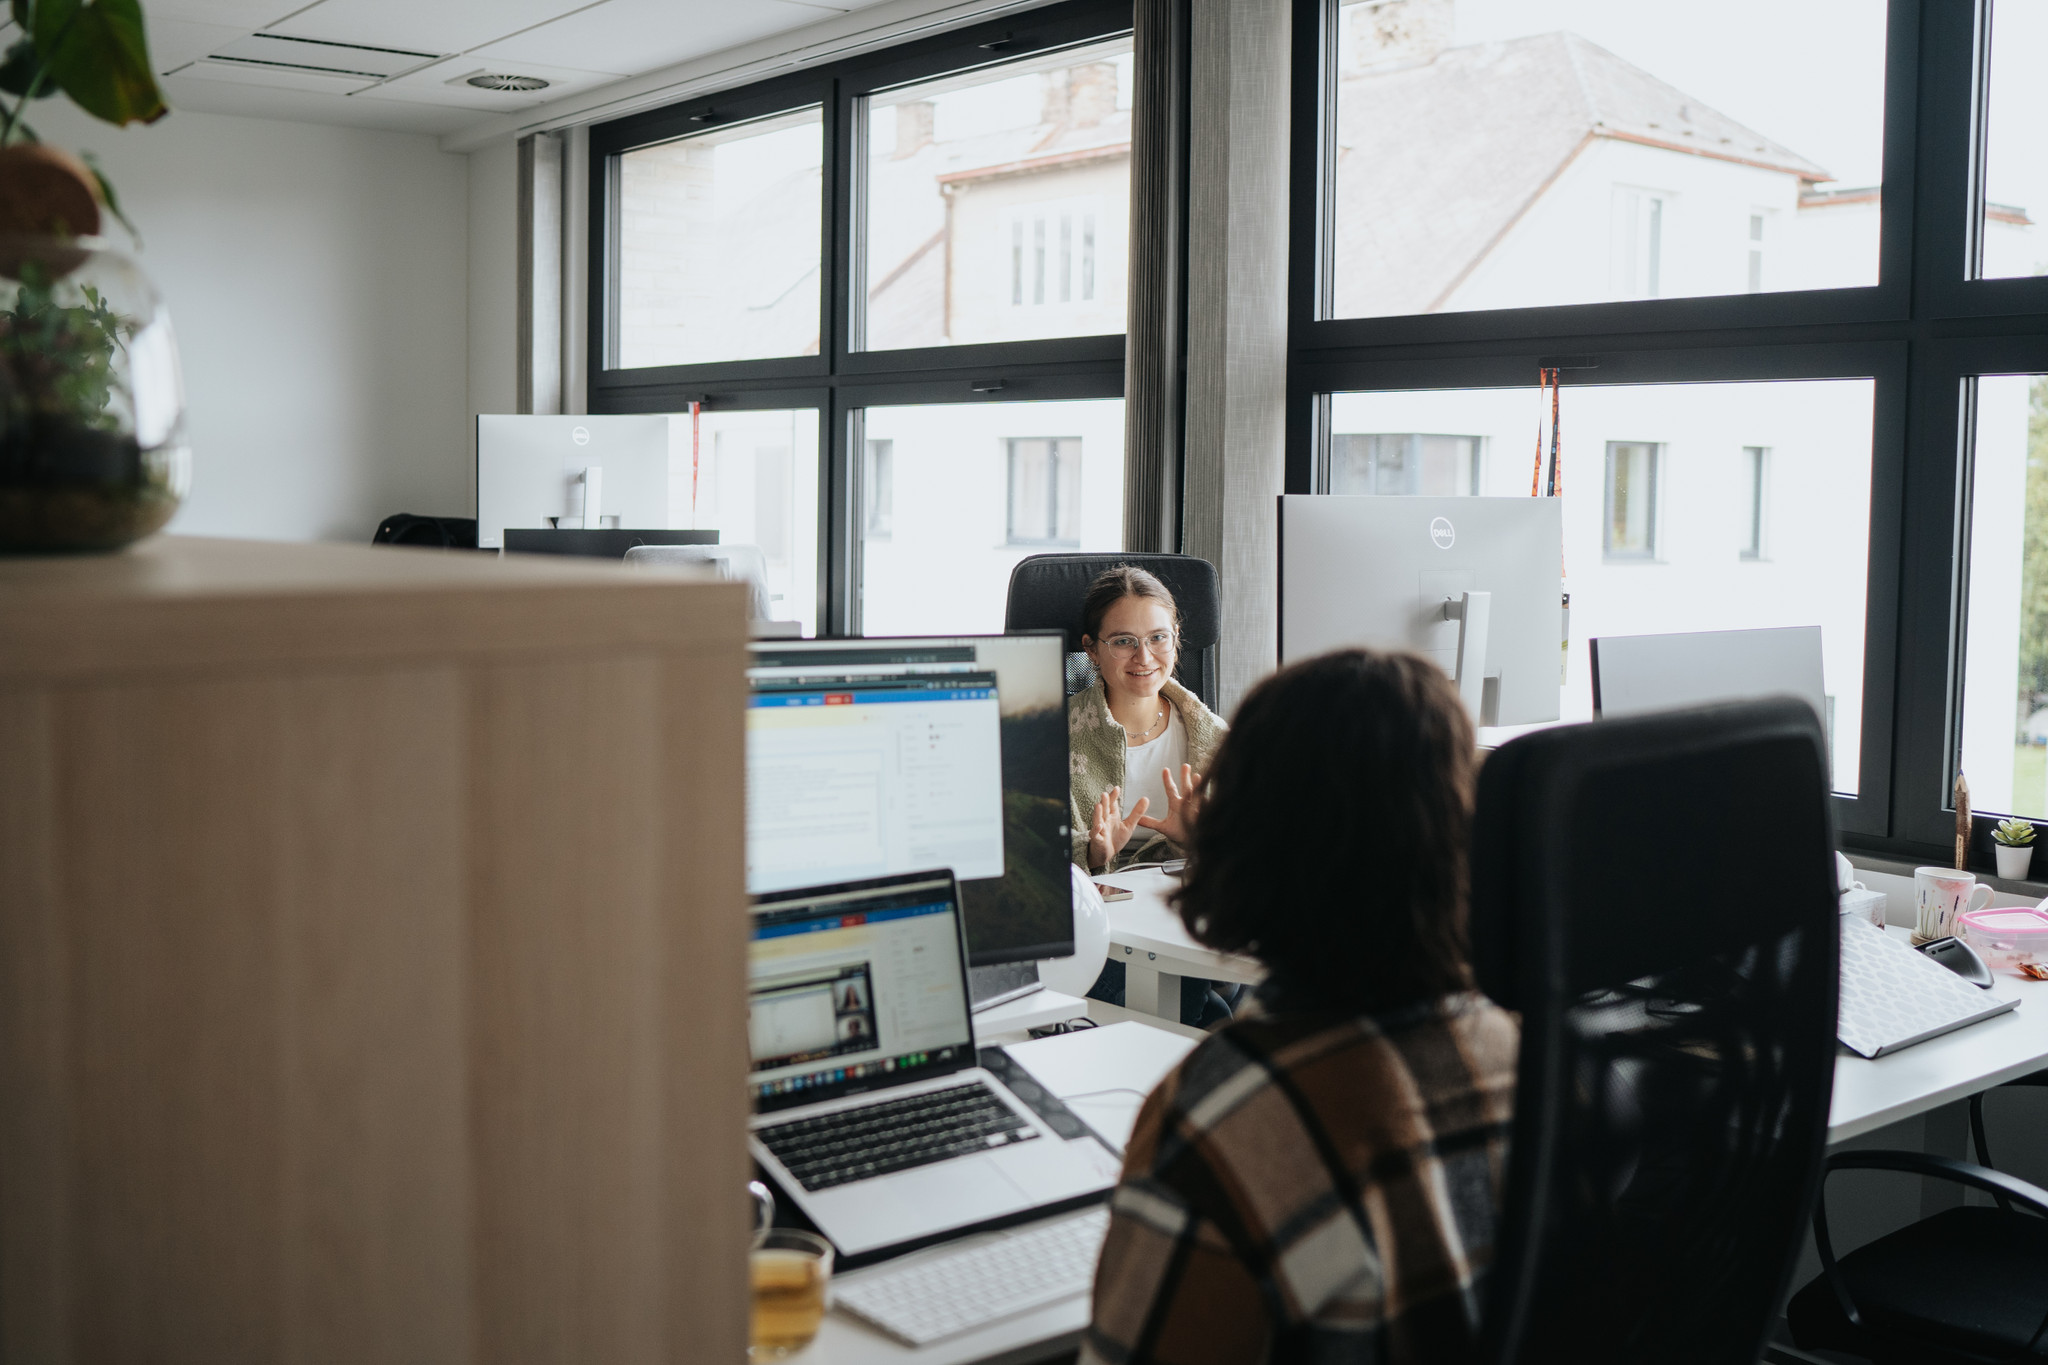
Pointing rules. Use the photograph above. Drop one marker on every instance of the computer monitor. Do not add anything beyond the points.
(1633, 673)
(1394, 572)
(606, 544)
(569, 473)
(876, 756)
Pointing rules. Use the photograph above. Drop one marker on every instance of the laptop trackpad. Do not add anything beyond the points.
(916, 1203)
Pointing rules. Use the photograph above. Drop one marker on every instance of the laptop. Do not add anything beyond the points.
(870, 1107)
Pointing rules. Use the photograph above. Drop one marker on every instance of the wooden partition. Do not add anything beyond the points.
(371, 959)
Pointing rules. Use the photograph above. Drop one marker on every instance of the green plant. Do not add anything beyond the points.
(2013, 833)
(96, 52)
(60, 355)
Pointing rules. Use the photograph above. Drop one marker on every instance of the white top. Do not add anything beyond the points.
(1142, 764)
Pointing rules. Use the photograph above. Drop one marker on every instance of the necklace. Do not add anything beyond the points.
(1154, 725)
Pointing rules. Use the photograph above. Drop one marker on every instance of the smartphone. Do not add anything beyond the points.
(1112, 893)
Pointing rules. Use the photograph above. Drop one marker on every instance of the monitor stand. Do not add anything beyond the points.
(988, 987)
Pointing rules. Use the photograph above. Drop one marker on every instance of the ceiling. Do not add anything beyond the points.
(406, 64)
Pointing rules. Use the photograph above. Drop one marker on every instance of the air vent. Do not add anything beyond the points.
(316, 56)
(495, 81)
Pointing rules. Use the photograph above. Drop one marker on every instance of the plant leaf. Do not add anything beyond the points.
(98, 52)
(109, 198)
(18, 70)
(19, 8)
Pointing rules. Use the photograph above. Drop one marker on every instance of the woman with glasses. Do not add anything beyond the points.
(1139, 741)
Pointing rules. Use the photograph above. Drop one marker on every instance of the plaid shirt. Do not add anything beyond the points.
(1313, 1188)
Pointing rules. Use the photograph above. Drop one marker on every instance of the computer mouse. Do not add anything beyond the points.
(1960, 958)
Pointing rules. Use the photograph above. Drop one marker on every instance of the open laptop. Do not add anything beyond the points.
(870, 1108)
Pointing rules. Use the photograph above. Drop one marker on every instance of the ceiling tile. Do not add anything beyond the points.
(174, 42)
(276, 78)
(434, 26)
(241, 14)
(636, 36)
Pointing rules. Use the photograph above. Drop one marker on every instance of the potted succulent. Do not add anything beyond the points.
(2014, 843)
(92, 445)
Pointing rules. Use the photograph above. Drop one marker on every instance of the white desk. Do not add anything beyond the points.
(1114, 1066)
(1870, 1094)
(1148, 938)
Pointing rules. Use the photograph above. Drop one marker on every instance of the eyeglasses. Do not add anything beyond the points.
(1126, 646)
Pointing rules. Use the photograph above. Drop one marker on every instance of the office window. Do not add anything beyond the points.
(1821, 433)
(980, 487)
(1755, 470)
(1410, 463)
(997, 204)
(1479, 151)
(719, 244)
(2015, 197)
(1045, 490)
(753, 477)
(1629, 530)
(878, 489)
(917, 234)
(1756, 253)
(2004, 749)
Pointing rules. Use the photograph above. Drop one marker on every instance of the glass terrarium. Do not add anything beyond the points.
(92, 405)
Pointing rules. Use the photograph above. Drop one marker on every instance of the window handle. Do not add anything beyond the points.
(986, 385)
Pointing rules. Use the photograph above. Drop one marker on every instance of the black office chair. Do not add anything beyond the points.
(1967, 1286)
(443, 533)
(1656, 895)
(1046, 592)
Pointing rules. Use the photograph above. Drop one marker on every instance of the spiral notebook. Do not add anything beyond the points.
(1894, 997)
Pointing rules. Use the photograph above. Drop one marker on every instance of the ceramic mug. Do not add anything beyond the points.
(1940, 894)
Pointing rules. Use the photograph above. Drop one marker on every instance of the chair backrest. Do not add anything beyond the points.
(1656, 895)
(1046, 593)
(736, 563)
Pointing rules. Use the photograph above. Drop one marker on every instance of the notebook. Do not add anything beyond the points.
(1894, 997)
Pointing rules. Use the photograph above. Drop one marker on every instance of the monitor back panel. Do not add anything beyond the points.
(1376, 571)
(1633, 673)
(530, 468)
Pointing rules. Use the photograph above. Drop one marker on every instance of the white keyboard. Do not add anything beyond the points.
(941, 1294)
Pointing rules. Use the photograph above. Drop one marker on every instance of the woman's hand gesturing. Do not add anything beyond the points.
(1183, 800)
(1108, 831)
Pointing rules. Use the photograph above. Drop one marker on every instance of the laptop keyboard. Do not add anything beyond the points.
(894, 1135)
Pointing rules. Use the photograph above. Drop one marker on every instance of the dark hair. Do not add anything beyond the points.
(1112, 586)
(1332, 835)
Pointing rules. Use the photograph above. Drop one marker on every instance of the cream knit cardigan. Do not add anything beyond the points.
(1096, 750)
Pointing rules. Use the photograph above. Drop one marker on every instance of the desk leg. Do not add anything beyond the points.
(1149, 990)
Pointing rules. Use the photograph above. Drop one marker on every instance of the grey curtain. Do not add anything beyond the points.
(1154, 392)
(538, 355)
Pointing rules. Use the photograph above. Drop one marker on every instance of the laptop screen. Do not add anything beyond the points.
(854, 987)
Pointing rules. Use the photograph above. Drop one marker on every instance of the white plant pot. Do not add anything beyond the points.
(2012, 862)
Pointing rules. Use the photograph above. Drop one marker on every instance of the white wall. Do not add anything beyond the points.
(316, 279)
(493, 287)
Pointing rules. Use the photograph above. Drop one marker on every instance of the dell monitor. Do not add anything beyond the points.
(569, 474)
(1635, 673)
(1400, 573)
(870, 757)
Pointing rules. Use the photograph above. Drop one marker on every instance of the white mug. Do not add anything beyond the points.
(1940, 895)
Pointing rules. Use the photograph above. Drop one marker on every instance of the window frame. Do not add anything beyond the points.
(841, 381)
(1917, 332)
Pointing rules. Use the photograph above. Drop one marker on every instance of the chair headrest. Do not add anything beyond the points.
(1646, 843)
(1046, 592)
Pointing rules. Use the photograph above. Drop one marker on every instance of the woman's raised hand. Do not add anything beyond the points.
(1108, 831)
(1183, 800)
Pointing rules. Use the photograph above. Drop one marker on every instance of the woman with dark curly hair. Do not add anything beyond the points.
(1320, 1178)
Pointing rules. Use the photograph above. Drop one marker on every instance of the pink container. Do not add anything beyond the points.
(2007, 935)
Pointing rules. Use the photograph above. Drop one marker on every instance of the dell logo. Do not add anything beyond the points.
(1443, 533)
(581, 436)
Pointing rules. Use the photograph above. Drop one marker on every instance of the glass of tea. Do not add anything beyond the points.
(790, 1271)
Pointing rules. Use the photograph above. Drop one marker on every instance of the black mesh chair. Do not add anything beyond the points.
(1968, 1286)
(1046, 593)
(1656, 896)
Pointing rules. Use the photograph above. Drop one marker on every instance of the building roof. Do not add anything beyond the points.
(1437, 160)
